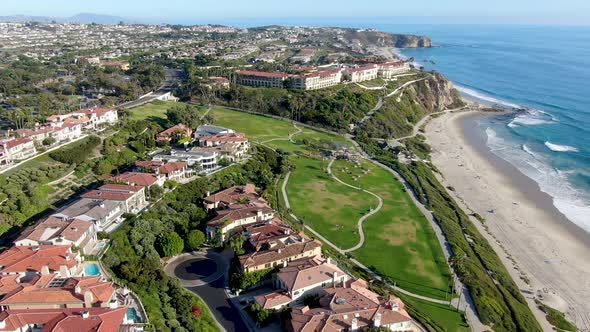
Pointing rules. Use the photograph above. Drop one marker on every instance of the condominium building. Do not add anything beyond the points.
(14, 149)
(260, 78)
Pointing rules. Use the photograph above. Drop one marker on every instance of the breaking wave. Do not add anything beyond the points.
(561, 148)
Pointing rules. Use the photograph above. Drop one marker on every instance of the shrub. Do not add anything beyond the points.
(169, 244)
(194, 240)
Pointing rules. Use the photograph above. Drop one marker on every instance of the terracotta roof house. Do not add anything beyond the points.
(388, 70)
(16, 149)
(90, 118)
(133, 197)
(64, 320)
(53, 291)
(307, 276)
(267, 234)
(55, 230)
(280, 254)
(139, 179)
(210, 130)
(260, 78)
(351, 307)
(235, 216)
(43, 259)
(174, 171)
(233, 195)
(362, 73)
(181, 129)
(104, 213)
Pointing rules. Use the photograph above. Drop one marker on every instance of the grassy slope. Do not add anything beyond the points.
(154, 110)
(400, 242)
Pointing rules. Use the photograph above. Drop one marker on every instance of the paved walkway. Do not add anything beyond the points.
(289, 138)
(363, 218)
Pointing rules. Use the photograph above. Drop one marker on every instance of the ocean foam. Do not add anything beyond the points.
(561, 148)
(484, 97)
(573, 203)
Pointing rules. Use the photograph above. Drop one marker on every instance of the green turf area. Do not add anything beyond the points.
(444, 316)
(34, 163)
(330, 208)
(154, 111)
(257, 128)
(400, 242)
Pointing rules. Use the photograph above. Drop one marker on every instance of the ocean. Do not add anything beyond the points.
(545, 69)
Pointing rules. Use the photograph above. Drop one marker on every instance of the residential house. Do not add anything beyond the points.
(231, 146)
(104, 213)
(139, 179)
(303, 56)
(300, 278)
(260, 78)
(174, 171)
(234, 195)
(362, 73)
(43, 259)
(351, 307)
(205, 160)
(217, 82)
(14, 149)
(180, 130)
(132, 197)
(237, 215)
(62, 319)
(292, 248)
(55, 230)
(52, 291)
(210, 130)
(90, 118)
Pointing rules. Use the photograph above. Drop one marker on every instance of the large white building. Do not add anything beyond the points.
(317, 80)
(260, 78)
(390, 69)
(363, 73)
(16, 149)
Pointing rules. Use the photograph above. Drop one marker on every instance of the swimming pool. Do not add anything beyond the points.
(92, 270)
(132, 314)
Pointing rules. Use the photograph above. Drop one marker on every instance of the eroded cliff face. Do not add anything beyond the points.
(435, 94)
(410, 41)
(371, 37)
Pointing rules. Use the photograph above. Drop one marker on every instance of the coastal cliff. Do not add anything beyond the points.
(398, 114)
(384, 39)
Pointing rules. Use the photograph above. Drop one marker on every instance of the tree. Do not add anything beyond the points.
(49, 141)
(224, 162)
(169, 244)
(183, 114)
(156, 192)
(194, 240)
(103, 167)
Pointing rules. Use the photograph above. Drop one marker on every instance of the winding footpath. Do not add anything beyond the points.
(363, 218)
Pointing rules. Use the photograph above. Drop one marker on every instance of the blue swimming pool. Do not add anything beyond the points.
(92, 270)
(132, 314)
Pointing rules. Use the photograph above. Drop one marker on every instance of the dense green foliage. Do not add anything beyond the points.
(557, 318)
(185, 114)
(334, 108)
(135, 261)
(194, 240)
(239, 281)
(496, 296)
(169, 244)
(78, 152)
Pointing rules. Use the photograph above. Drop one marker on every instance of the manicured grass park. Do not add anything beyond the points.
(400, 242)
(154, 111)
(257, 128)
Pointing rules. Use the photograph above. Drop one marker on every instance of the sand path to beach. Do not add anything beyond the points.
(533, 239)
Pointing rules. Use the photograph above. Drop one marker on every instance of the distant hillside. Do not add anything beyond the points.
(84, 18)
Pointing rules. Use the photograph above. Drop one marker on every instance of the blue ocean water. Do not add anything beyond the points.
(543, 68)
(546, 70)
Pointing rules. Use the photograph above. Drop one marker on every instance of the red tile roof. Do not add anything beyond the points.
(65, 320)
(33, 259)
(161, 166)
(261, 74)
(136, 179)
(16, 142)
(108, 195)
(54, 226)
(120, 187)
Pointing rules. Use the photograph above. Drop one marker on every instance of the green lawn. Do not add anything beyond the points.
(329, 207)
(400, 242)
(444, 316)
(154, 111)
(257, 128)
(35, 163)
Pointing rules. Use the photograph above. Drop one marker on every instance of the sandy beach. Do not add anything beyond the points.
(546, 254)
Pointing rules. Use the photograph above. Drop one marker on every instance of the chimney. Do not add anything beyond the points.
(334, 278)
(85, 314)
(329, 260)
(45, 270)
(354, 325)
(2, 324)
(208, 193)
(284, 263)
(88, 299)
(377, 321)
(78, 290)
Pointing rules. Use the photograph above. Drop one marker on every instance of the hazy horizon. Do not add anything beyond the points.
(528, 12)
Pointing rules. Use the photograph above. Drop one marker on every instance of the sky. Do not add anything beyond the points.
(551, 12)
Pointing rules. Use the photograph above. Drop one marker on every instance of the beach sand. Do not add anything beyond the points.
(547, 255)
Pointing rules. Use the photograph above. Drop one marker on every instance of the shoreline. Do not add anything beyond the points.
(541, 248)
